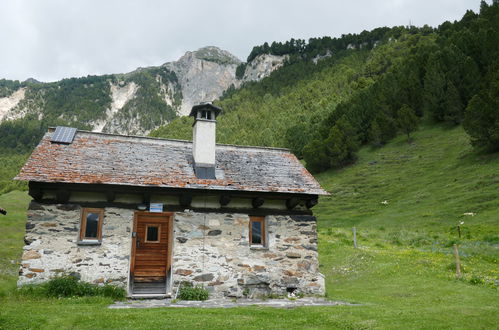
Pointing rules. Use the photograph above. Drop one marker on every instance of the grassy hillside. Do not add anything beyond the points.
(404, 267)
(428, 184)
(11, 163)
(11, 241)
(402, 274)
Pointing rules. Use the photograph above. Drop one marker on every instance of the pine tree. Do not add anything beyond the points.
(470, 81)
(481, 120)
(383, 129)
(407, 121)
(375, 135)
(453, 105)
(342, 143)
(315, 156)
(434, 90)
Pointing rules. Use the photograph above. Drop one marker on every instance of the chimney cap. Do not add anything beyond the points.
(205, 106)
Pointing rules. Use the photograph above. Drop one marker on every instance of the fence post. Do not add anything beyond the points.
(354, 237)
(458, 262)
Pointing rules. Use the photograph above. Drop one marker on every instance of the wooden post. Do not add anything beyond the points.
(354, 237)
(459, 231)
(458, 262)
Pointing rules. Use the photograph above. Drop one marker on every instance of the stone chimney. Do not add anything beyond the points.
(204, 139)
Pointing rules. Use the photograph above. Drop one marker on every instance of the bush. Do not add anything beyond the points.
(189, 292)
(475, 280)
(111, 291)
(70, 286)
(67, 286)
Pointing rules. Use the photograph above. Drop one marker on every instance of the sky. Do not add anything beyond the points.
(53, 39)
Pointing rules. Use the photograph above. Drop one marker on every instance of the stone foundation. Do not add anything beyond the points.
(211, 249)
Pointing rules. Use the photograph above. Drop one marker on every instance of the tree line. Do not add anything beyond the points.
(452, 79)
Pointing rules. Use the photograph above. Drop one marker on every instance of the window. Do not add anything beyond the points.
(91, 225)
(257, 234)
(152, 234)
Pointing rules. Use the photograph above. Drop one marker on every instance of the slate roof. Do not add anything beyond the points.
(98, 158)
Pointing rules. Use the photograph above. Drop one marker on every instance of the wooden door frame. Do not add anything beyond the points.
(169, 217)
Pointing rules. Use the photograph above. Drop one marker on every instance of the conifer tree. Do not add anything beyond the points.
(342, 143)
(453, 106)
(407, 121)
(434, 90)
(470, 79)
(481, 120)
(315, 156)
(383, 129)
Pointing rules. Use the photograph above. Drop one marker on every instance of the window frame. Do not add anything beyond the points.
(83, 225)
(263, 233)
(159, 234)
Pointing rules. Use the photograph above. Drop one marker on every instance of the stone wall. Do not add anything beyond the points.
(51, 249)
(211, 249)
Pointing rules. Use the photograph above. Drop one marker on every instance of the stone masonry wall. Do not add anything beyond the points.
(51, 245)
(213, 250)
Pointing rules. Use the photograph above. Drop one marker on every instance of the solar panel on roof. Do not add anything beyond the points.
(63, 134)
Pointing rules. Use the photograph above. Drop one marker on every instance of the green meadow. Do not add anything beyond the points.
(405, 201)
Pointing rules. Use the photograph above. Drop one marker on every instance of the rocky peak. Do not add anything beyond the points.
(203, 75)
(217, 55)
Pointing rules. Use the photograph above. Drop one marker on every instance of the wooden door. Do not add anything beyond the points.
(151, 246)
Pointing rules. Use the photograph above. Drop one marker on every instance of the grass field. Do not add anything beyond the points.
(402, 274)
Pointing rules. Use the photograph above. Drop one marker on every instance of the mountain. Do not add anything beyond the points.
(135, 102)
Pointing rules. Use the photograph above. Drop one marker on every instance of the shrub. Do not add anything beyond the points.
(70, 286)
(67, 286)
(189, 292)
(475, 280)
(111, 291)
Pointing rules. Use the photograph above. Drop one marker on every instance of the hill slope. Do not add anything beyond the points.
(428, 183)
(411, 197)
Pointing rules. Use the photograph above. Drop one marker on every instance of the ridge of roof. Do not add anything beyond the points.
(51, 129)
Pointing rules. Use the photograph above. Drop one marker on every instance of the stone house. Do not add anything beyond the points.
(148, 214)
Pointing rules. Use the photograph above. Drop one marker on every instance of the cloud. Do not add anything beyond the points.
(53, 39)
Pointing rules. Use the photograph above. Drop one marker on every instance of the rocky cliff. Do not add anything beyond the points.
(135, 102)
(203, 75)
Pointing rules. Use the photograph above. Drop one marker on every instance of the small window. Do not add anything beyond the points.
(152, 234)
(257, 234)
(91, 224)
